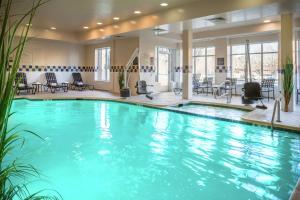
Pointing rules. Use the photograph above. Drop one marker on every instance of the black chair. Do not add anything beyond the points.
(141, 88)
(251, 93)
(267, 86)
(52, 83)
(22, 85)
(78, 82)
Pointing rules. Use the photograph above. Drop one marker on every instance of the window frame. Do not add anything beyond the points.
(103, 71)
(205, 56)
(261, 53)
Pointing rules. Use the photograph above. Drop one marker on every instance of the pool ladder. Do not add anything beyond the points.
(276, 107)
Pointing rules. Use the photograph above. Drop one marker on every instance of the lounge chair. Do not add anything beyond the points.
(141, 88)
(78, 82)
(252, 92)
(52, 83)
(22, 85)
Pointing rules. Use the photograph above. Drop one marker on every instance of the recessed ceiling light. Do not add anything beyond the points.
(101, 29)
(53, 28)
(164, 4)
(116, 18)
(133, 22)
(267, 21)
(116, 26)
(86, 27)
(137, 12)
(99, 23)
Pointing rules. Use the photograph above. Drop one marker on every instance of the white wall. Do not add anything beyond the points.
(40, 52)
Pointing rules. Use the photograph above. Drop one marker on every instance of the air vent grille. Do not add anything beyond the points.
(217, 20)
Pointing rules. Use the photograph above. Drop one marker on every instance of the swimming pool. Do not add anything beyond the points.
(108, 150)
(212, 111)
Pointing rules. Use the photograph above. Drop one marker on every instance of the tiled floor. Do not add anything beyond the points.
(288, 120)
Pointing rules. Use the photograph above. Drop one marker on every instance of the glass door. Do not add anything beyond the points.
(163, 67)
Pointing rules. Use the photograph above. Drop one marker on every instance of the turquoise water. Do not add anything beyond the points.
(213, 111)
(97, 150)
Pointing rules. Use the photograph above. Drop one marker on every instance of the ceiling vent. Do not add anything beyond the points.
(158, 30)
(217, 20)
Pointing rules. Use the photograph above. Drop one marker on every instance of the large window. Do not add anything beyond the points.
(102, 62)
(204, 62)
(263, 59)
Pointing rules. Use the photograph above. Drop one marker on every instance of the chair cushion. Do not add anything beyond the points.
(53, 84)
(21, 85)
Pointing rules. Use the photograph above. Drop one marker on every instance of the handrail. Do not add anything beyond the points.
(129, 63)
(276, 107)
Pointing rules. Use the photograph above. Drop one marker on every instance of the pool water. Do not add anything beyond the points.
(213, 111)
(111, 151)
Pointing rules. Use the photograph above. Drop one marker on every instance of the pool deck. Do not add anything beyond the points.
(290, 121)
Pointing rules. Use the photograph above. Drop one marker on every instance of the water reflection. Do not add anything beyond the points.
(131, 152)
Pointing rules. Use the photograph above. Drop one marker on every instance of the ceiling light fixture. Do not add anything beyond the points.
(164, 4)
(53, 28)
(102, 30)
(99, 23)
(116, 26)
(137, 12)
(133, 22)
(116, 18)
(267, 21)
(86, 27)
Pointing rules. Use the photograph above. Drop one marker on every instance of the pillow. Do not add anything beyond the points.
(79, 83)
(21, 85)
(53, 84)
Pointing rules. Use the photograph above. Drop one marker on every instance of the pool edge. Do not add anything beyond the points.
(165, 107)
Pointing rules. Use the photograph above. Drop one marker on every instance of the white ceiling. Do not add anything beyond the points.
(72, 15)
(232, 19)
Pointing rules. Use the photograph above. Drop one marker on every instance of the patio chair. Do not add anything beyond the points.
(22, 85)
(251, 93)
(52, 83)
(141, 88)
(267, 86)
(78, 82)
(231, 85)
(196, 84)
(206, 85)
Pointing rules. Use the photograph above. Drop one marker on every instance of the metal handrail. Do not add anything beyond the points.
(276, 107)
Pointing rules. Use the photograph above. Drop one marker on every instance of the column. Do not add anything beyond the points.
(286, 51)
(187, 47)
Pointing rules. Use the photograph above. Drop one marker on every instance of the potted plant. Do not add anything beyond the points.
(14, 173)
(288, 84)
(124, 91)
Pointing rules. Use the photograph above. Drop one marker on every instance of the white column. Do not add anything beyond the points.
(187, 47)
(286, 51)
